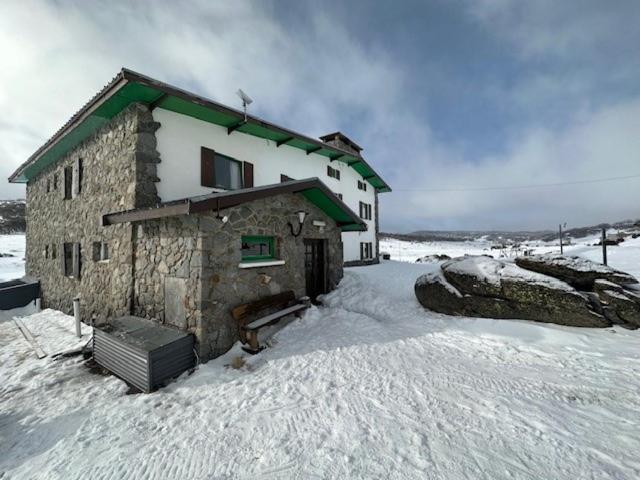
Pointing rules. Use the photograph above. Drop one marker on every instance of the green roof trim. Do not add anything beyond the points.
(313, 189)
(129, 87)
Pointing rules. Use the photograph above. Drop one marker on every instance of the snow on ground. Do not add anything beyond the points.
(11, 267)
(368, 386)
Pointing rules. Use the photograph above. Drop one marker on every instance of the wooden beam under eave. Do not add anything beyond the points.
(282, 142)
(368, 177)
(338, 157)
(234, 127)
(157, 101)
(353, 163)
(311, 150)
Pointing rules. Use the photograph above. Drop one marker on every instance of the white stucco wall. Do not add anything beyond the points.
(180, 138)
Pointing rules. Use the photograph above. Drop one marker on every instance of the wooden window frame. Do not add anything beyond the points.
(208, 159)
(258, 239)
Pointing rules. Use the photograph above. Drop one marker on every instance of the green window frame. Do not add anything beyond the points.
(254, 240)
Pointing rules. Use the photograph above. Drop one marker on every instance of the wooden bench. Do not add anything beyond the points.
(253, 316)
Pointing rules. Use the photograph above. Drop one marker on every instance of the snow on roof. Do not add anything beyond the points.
(494, 271)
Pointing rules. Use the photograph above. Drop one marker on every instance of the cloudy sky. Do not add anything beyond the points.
(455, 102)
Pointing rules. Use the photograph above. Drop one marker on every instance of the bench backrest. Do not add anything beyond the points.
(273, 302)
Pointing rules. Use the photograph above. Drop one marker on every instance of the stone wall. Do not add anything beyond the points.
(225, 285)
(167, 271)
(187, 268)
(118, 157)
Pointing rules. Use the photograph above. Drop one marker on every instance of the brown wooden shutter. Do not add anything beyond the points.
(248, 174)
(63, 264)
(63, 185)
(76, 260)
(207, 167)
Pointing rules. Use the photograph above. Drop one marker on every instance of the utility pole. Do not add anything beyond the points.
(604, 246)
(560, 228)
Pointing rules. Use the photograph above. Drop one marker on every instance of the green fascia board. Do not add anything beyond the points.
(331, 208)
(137, 92)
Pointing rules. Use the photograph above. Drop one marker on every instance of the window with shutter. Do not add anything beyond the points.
(67, 259)
(220, 171)
(76, 178)
(76, 260)
(67, 179)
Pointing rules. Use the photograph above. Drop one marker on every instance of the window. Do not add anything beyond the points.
(333, 172)
(100, 251)
(255, 248)
(365, 211)
(55, 181)
(362, 185)
(48, 185)
(46, 251)
(68, 182)
(71, 260)
(220, 171)
(54, 251)
(366, 250)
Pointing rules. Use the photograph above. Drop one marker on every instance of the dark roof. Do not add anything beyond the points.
(311, 188)
(129, 87)
(340, 136)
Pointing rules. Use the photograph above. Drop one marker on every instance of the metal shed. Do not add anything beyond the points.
(141, 352)
(18, 293)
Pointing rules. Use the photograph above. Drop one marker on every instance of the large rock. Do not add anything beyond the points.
(576, 271)
(484, 287)
(620, 305)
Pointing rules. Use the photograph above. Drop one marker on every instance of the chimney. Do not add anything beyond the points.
(341, 141)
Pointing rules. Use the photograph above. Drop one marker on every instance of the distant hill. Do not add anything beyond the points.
(12, 216)
(519, 236)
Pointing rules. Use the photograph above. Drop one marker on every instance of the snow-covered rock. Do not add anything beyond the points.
(481, 286)
(436, 257)
(577, 271)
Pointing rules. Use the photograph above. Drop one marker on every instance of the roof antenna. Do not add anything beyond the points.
(246, 100)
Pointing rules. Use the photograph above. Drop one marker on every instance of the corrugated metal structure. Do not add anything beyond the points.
(141, 352)
(18, 293)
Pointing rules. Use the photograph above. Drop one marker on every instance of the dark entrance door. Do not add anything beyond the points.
(315, 267)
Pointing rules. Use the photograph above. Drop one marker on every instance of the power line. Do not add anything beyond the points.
(515, 187)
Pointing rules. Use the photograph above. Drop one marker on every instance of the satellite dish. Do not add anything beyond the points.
(246, 100)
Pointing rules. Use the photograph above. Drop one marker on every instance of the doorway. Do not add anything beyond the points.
(315, 267)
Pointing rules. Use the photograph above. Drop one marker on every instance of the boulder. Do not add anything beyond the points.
(576, 271)
(620, 305)
(433, 258)
(480, 286)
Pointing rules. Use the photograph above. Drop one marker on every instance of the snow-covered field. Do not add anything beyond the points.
(368, 386)
(11, 267)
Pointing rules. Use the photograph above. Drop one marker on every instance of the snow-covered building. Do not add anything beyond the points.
(156, 202)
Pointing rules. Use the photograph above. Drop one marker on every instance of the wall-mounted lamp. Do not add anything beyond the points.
(301, 216)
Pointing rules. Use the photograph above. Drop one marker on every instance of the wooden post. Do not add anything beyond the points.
(560, 228)
(604, 246)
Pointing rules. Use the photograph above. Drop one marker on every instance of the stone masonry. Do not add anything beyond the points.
(187, 268)
(118, 173)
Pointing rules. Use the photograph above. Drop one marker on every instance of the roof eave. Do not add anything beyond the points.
(116, 84)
